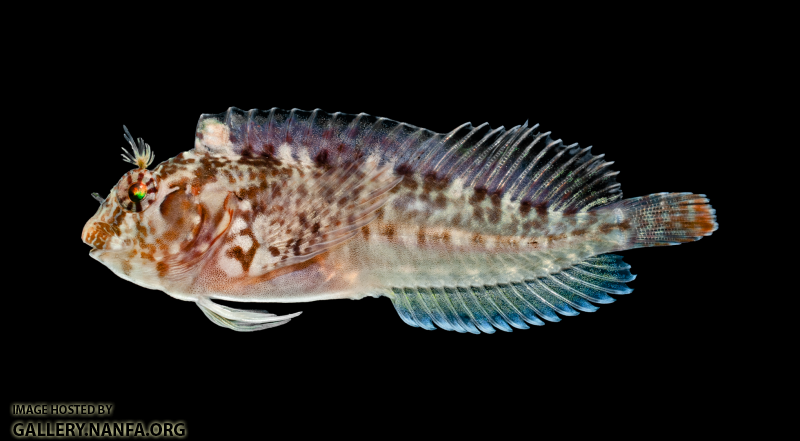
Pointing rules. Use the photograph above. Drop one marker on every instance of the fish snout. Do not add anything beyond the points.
(100, 235)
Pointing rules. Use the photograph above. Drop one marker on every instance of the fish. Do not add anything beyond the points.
(472, 231)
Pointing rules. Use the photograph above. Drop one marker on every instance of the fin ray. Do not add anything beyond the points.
(522, 162)
(241, 320)
(484, 308)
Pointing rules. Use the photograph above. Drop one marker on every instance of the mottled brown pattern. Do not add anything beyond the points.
(440, 202)
(525, 208)
(388, 231)
(432, 183)
(541, 209)
(606, 228)
(107, 228)
(478, 195)
(477, 213)
(246, 258)
(494, 214)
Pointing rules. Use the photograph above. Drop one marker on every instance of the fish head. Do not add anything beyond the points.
(122, 231)
(117, 229)
(154, 226)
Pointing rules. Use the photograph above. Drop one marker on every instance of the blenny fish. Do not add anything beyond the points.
(469, 231)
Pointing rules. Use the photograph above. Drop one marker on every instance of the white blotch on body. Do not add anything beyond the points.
(232, 267)
(238, 225)
(243, 241)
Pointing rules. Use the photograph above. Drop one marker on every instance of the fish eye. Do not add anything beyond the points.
(136, 190)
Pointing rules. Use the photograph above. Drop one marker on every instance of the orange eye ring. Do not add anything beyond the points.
(136, 190)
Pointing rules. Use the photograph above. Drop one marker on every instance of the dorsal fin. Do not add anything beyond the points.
(522, 164)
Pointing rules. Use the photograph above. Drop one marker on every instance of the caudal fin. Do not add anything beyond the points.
(667, 219)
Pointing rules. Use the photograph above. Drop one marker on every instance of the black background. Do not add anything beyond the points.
(80, 333)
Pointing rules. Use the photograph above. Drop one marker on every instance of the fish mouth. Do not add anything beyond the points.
(99, 235)
(87, 233)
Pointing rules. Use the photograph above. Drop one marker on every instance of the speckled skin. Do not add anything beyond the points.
(204, 236)
(289, 223)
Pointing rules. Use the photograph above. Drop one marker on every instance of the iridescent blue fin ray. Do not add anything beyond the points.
(506, 306)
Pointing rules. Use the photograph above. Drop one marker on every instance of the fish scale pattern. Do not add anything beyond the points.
(477, 309)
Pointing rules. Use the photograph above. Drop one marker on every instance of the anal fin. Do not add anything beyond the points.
(477, 309)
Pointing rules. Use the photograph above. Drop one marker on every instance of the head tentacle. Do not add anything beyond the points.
(142, 156)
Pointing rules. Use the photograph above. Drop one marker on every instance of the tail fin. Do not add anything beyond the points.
(667, 219)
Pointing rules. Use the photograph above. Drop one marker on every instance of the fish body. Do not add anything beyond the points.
(472, 230)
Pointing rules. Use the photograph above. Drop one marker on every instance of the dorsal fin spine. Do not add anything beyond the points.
(501, 173)
(506, 163)
(309, 127)
(494, 168)
(491, 164)
(605, 196)
(515, 166)
(516, 189)
(463, 162)
(555, 193)
(535, 186)
(578, 200)
(454, 149)
(583, 184)
(431, 156)
(495, 162)
(367, 136)
(593, 199)
(570, 186)
(479, 162)
(560, 177)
